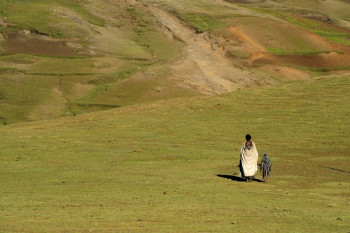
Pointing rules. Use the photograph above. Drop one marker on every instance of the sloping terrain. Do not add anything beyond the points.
(61, 61)
(69, 57)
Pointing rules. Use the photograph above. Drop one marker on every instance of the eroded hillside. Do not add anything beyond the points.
(62, 58)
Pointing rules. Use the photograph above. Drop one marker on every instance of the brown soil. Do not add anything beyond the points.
(19, 43)
(331, 60)
(260, 56)
(252, 43)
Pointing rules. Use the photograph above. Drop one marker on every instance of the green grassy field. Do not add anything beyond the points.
(154, 167)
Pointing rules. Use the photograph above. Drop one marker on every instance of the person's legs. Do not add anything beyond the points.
(241, 169)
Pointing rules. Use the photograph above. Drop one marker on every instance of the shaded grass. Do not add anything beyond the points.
(325, 69)
(153, 167)
(321, 70)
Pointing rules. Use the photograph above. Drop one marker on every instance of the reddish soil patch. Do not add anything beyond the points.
(35, 44)
(259, 56)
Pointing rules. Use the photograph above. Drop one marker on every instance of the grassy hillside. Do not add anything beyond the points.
(65, 58)
(60, 55)
(154, 167)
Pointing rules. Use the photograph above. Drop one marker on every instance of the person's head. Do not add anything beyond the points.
(248, 137)
(248, 143)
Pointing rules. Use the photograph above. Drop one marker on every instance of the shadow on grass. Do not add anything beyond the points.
(236, 178)
(335, 169)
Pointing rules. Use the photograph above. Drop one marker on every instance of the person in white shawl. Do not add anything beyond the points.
(249, 159)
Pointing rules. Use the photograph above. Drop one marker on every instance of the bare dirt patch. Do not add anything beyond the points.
(331, 60)
(338, 58)
(21, 43)
(240, 34)
(204, 66)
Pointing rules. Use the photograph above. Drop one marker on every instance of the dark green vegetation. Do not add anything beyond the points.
(154, 167)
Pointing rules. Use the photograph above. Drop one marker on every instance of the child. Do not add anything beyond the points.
(265, 167)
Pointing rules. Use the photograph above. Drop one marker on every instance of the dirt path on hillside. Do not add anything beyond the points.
(202, 67)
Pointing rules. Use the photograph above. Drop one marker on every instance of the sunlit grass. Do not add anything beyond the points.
(153, 167)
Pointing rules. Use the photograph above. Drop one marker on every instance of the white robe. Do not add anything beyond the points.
(249, 160)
